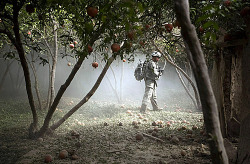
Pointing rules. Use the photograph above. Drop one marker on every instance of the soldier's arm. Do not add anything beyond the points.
(152, 67)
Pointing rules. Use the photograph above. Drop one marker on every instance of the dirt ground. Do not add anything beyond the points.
(102, 132)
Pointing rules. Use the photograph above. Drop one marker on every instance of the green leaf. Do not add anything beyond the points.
(207, 34)
(208, 7)
(104, 17)
(208, 24)
(213, 36)
(216, 26)
(140, 7)
(203, 18)
(89, 27)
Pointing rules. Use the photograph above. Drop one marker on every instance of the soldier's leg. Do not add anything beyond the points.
(146, 97)
(153, 99)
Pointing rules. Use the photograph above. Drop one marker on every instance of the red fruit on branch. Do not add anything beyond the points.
(95, 64)
(169, 27)
(124, 60)
(90, 49)
(115, 47)
(201, 29)
(131, 35)
(75, 42)
(29, 33)
(92, 11)
(71, 45)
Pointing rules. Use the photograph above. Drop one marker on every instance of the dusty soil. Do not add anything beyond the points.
(102, 132)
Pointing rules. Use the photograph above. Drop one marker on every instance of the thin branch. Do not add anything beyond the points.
(152, 137)
(184, 73)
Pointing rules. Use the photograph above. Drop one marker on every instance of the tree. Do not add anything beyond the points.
(103, 29)
(10, 26)
(209, 106)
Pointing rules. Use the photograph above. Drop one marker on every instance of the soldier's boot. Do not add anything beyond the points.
(143, 108)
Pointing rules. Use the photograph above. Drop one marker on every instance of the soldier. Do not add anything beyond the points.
(152, 74)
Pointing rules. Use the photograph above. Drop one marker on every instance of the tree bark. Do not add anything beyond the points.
(217, 74)
(36, 81)
(227, 53)
(63, 87)
(244, 144)
(54, 61)
(48, 102)
(87, 97)
(19, 46)
(197, 61)
(60, 92)
(49, 88)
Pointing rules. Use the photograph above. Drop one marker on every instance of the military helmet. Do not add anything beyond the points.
(156, 54)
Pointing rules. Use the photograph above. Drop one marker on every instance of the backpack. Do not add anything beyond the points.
(139, 72)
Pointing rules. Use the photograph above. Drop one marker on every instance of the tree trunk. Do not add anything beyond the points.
(60, 92)
(49, 89)
(63, 87)
(36, 81)
(54, 61)
(227, 53)
(18, 44)
(243, 156)
(244, 144)
(87, 97)
(217, 73)
(197, 61)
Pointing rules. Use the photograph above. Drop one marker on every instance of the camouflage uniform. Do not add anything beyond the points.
(152, 74)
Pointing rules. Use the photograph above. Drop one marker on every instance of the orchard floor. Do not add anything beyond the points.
(102, 132)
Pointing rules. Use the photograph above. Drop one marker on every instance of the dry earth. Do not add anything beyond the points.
(102, 132)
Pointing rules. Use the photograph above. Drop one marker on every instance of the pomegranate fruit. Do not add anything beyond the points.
(115, 47)
(92, 11)
(95, 64)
